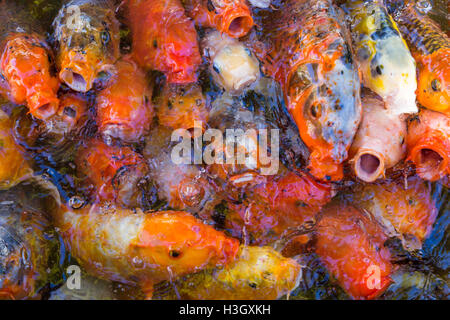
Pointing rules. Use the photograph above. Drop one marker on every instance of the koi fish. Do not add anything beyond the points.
(24, 247)
(276, 208)
(14, 167)
(237, 157)
(410, 217)
(259, 273)
(232, 17)
(124, 109)
(232, 65)
(351, 246)
(164, 38)
(180, 106)
(306, 50)
(430, 47)
(25, 62)
(87, 36)
(380, 142)
(428, 144)
(116, 172)
(386, 64)
(138, 248)
(71, 116)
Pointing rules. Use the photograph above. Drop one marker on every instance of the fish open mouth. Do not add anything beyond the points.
(75, 80)
(368, 166)
(244, 83)
(429, 162)
(238, 25)
(46, 110)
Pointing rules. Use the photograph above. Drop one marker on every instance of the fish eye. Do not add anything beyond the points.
(105, 37)
(253, 285)
(70, 112)
(247, 50)
(316, 110)
(436, 85)
(379, 69)
(174, 254)
(216, 68)
(76, 202)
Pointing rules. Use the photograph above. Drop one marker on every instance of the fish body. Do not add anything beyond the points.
(380, 142)
(430, 47)
(124, 109)
(24, 250)
(276, 208)
(25, 62)
(384, 59)
(306, 50)
(232, 17)
(134, 247)
(14, 167)
(232, 65)
(115, 172)
(164, 38)
(87, 38)
(259, 273)
(351, 246)
(410, 217)
(428, 144)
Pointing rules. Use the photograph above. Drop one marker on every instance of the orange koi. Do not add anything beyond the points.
(164, 39)
(307, 51)
(124, 109)
(232, 17)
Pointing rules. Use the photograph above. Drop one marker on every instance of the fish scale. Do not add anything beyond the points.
(420, 31)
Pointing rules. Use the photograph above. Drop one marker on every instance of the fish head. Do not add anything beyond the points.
(88, 45)
(124, 109)
(177, 241)
(182, 106)
(72, 108)
(263, 270)
(325, 103)
(390, 71)
(433, 88)
(234, 67)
